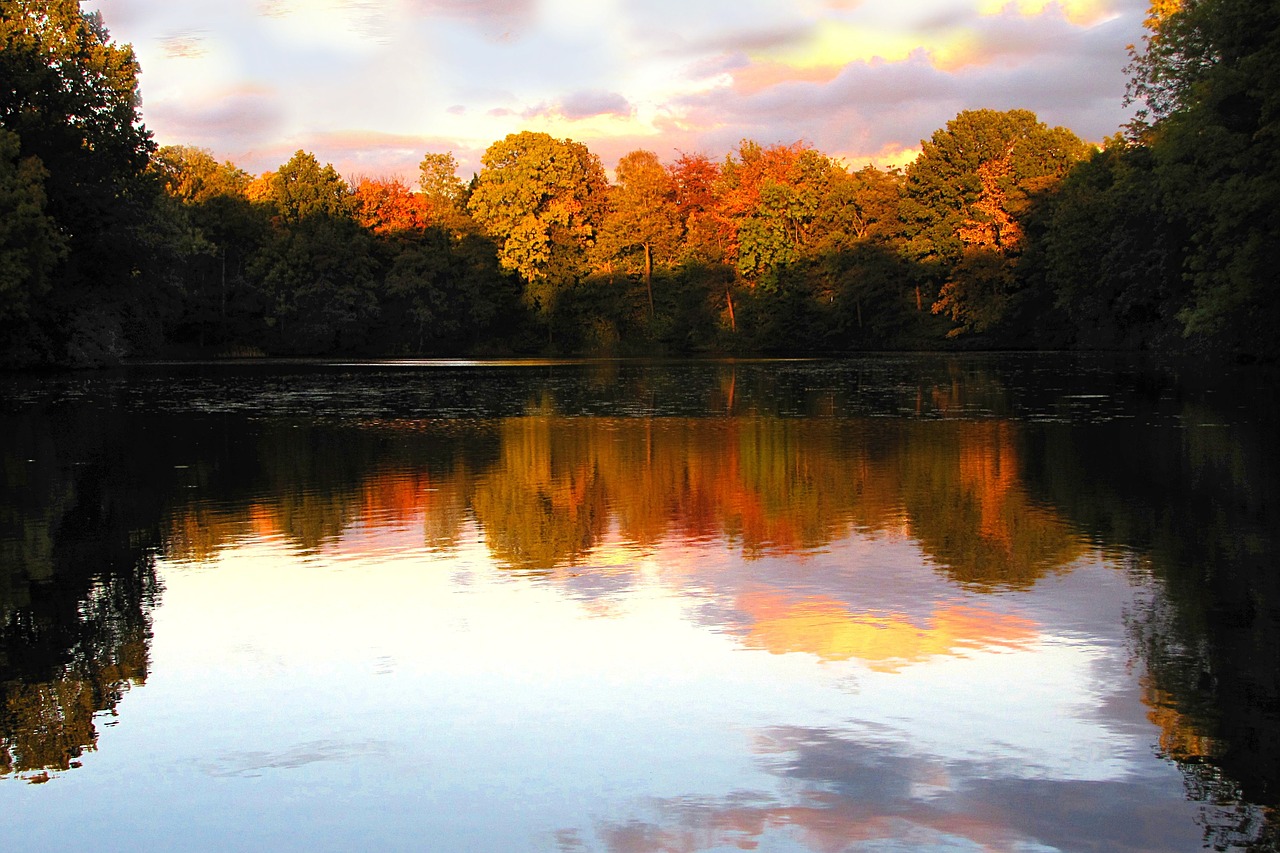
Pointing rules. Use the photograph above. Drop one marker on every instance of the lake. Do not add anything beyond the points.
(902, 602)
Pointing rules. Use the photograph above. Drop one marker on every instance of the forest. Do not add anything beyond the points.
(1004, 233)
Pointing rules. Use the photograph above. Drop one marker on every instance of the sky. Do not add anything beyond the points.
(373, 85)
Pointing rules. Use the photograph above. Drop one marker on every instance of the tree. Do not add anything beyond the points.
(386, 206)
(772, 196)
(445, 290)
(302, 188)
(543, 200)
(318, 279)
(695, 178)
(438, 179)
(642, 214)
(963, 200)
(30, 244)
(1209, 83)
(71, 98)
(219, 229)
(1109, 256)
(861, 205)
(193, 176)
(1176, 54)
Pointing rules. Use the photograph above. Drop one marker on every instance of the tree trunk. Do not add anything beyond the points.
(733, 322)
(648, 276)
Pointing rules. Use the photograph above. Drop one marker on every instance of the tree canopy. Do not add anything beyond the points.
(544, 200)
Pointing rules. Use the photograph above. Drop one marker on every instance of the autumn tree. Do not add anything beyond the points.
(773, 197)
(642, 216)
(386, 206)
(543, 200)
(193, 175)
(694, 179)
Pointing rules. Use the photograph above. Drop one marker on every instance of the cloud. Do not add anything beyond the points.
(363, 153)
(674, 28)
(1068, 75)
(1083, 12)
(190, 45)
(756, 77)
(497, 19)
(863, 80)
(224, 120)
(579, 105)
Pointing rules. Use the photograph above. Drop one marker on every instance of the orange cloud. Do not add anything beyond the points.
(1080, 12)
(760, 76)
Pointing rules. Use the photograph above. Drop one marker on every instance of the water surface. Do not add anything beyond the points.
(1022, 603)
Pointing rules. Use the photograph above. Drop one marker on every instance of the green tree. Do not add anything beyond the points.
(858, 206)
(543, 200)
(71, 97)
(963, 200)
(444, 291)
(303, 188)
(30, 244)
(643, 217)
(1209, 85)
(318, 279)
(219, 230)
(1109, 257)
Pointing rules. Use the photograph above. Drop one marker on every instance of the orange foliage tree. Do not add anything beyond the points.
(387, 206)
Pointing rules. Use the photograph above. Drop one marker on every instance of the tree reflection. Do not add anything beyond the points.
(770, 485)
(78, 588)
(1194, 507)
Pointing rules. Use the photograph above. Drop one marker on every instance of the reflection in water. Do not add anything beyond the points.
(766, 485)
(829, 630)
(76, 592)
(914, 550)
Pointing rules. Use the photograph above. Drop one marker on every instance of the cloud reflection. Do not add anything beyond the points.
(848, 791)
(831, 631)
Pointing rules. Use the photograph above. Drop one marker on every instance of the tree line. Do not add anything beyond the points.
(1004, 232)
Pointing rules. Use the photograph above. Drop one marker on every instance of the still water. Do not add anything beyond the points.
(1022, 603)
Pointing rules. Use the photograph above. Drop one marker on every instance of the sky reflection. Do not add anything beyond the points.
(440, 680)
